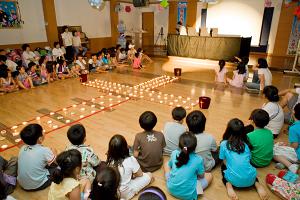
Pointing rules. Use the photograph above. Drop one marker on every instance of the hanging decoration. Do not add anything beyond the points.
(295, 33)
(118, 8)
(181, 12)
(160, 8)
(98, 4)
(10, 15)
(268, 3)
(128, 9)
(297, 12)
(164, 3)
(287, 3)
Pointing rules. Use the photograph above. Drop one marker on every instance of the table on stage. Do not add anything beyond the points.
(215, 48)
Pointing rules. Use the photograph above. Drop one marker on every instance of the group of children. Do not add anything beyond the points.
(262, 76)
(78, 173)
(37, 68)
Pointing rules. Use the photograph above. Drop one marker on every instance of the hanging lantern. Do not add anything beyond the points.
(98, 4)
(297, 12)
(118, 8)
(128, 9)
(268, 3)
(160, 8)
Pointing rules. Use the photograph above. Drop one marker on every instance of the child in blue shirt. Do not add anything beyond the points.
(236, 168)
(185, 173)
(285, 156)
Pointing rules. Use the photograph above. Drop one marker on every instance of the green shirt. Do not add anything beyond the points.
(262, 143)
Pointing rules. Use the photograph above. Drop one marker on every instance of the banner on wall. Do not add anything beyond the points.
(294, 36)
(181, 14)
(9, 14)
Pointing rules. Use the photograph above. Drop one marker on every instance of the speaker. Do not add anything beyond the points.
(140, 3)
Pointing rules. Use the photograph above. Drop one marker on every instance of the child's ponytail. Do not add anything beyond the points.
(67, 162)
(187, 144)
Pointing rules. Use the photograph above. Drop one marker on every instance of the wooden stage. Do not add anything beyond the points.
(102, 122)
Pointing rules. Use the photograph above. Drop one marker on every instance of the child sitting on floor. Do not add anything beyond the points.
(23, 80)
(36, 79)
(51, 69)
(261, 139)
(174, 129)
(57, 52)
(44, 73)
(105, 185)
(290, 155)
(206, 143)
(137, 64)
(152, 193)
(65, 184)
(34, 161)
(185, 173)
(148, 145)
(77, 136)
(7, 83)
(144, 58)
(236, 168)
(238, 76)
(62, 69)
(221, 72)
(132, 177)
(8, 176)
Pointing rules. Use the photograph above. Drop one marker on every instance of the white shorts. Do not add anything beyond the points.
(285, 151)
(135, 185)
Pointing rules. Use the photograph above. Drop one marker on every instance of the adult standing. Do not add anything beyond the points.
(67, 38)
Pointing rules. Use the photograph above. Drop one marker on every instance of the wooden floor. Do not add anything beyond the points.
(226, 103)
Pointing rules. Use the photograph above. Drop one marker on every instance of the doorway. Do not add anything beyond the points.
(148, 26)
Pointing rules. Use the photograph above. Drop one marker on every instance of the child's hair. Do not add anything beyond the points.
(76, 134)
(187, 144)
(147, 120)
(117, 151)
(245, 60)
(221, 64)
(67, 162)
(42, 59)
(24, 47)
(241, 68)
(262, 63)
(55, 43)
(235, 136)
(137, 55)
(31, 64)
(105, 185)
(139, 50)
(118, 46)
(178, 113)
(3, 58)
(152, 193)
(260, 118)
(122, 49)
(65, 27)
(31, 133)
(79, 55)
(271, 93)
(94, 54)
(19, 67)
(195, 121)
(297, 111)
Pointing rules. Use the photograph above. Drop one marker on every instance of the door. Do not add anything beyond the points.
(148, 26)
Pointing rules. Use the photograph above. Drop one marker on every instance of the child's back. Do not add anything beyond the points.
(172, 132)
(238, 79)
(221, 72)
(239, 172)
(150, 145)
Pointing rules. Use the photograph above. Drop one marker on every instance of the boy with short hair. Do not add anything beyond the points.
(174, 129)
(148, 145)
(34, 159)
(290, 155)
(261, 139)
(77, 136)
(206, 143)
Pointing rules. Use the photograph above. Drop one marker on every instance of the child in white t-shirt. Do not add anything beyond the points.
(221, 72)
(133, 179)
(57, 52)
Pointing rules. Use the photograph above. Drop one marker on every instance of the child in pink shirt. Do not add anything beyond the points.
(221, 72)
(137, 64)
(238, 76)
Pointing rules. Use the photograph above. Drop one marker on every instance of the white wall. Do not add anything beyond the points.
(33, 29)
(94, 23)
(133, 20)
(241, 17)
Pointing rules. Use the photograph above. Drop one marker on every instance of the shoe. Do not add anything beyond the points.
(252, 91)
(294, 168)
(279, 166)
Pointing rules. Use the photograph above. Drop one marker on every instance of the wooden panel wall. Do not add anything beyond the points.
(18, 46)
(50, 19)
(96, 44)
(114, 20)
(172, 16)
(191, 13)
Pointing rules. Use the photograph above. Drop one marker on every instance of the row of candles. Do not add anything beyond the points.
(145, 91)
(81, 110)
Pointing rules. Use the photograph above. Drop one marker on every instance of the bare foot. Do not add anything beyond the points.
(230, 192)
(261, 191)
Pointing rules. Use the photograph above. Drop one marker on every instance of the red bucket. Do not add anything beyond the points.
(177, 71)
(83, 78)
(204, 102)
